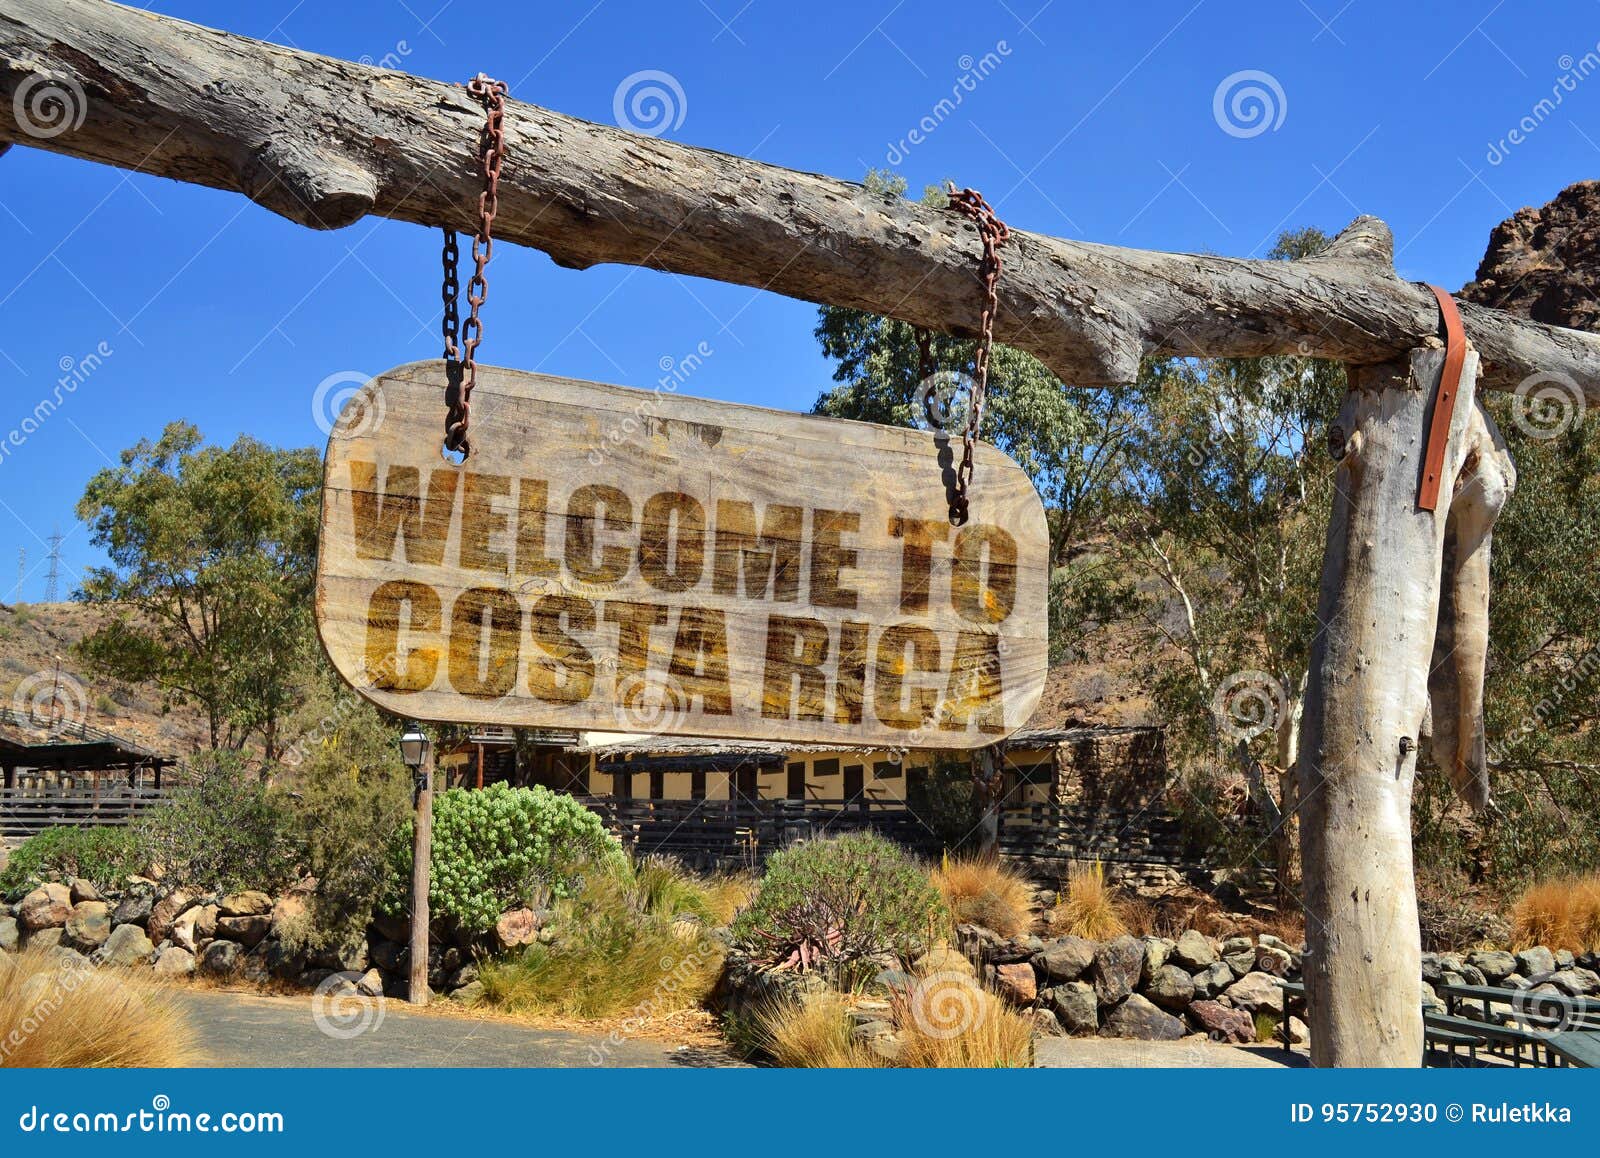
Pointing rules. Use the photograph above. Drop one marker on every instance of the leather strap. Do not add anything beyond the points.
(1444, 402)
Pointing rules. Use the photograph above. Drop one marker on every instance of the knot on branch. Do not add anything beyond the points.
(308, 185)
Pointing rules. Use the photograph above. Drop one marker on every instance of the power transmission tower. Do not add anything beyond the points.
(53, 576)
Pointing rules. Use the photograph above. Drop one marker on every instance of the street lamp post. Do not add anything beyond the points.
(417, 752)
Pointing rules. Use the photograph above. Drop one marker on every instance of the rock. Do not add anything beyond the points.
(1272, 942)
(1256, 992)
(1221, 1022)
(1016, 983)
(1270, 959)
(182, 931)
(1171, 988)
(1138, 1018)
(390, 956)
(469, 994)
(88, 926)
(1193, 951)
(256, 965)
(1075, 1006)
(392, 926)
(1536, 962)
(47, 907)
(249, 931)
(350, 956)
(1432, 968)
(164, 912)
(1046, 1023)
(1212, 980)
(1565, 959)
(1117, 965)
(465, 975)
(1431, 1002)
(250, 903)
(371, 984)
(1299, 1032)
(10, 935)
(83, 890)
(1014, 949)
(943, 959)
(1156, 952)
(174, 962)
(1065, 958)
(221, 958)
(1574, 983)
(1541, 262)
(133, 908)
(1495, 964)
(44, 940)
(516, 928)
(443, 960)
(127, 945)
(1239, 954)
(281, 960)
(1472, 975)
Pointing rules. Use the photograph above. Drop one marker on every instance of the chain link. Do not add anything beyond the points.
(462, 339)
(994, 233)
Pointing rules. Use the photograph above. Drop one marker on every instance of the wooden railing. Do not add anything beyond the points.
(27, 811)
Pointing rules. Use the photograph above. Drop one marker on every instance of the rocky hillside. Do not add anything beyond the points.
(1543, 263)
(34, 636)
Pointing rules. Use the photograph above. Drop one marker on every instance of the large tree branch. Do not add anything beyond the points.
(325, 142)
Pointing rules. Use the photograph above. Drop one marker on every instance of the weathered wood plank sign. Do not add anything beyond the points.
(627, 560)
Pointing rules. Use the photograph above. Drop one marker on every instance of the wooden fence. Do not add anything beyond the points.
(1079, 832)
(26, 811)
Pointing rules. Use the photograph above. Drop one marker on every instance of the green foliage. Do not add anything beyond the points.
(499, 847)
(209, 586)
(839, 901)
(105, 856)
(621, 948)
(224, 832)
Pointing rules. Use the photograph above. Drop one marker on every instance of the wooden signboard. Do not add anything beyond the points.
(628, 560)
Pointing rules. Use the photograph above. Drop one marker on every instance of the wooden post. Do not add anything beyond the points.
(421, 856)
(1366, 708)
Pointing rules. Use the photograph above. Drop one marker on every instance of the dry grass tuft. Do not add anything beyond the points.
(53, 1014)
(814, 1034)
(1087, 906)
(984, 892)
(1562, 913)
(992, 1036)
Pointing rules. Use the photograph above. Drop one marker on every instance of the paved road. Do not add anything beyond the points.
(245, 1030)
(1111, 1053)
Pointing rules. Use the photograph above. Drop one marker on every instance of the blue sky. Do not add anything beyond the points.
(1096, 122)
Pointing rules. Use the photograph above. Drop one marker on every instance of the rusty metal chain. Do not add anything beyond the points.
(461, 375)
(994, 233)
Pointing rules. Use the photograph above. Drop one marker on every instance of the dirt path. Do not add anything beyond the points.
(1103, 1053)
(238, 1029)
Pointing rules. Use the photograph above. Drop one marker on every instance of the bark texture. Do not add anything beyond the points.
(1365, 709)
(325, 142)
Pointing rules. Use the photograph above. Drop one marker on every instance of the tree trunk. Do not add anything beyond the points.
(1365, 708)
(325, 142)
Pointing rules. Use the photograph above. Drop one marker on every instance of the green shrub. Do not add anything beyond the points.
(619, 949)
(836, 902)
(106, 856)
(498, 848)
(227, 831)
